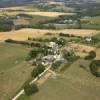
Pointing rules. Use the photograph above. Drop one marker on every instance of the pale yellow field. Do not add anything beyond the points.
(30, 11)
(82, 50)
(49, 14)
(98, 53)
(16, 8)
(23, 34)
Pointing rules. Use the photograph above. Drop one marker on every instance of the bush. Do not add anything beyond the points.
(94, 66)
(30, 89)
(70, 56)
(73, 58)
(64, 35)
(59, 41)
(17, 42)
(33, 53)
(6, 24)
(56, 64)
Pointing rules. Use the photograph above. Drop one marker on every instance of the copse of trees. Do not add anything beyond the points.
(32, 44)
(68, 35)
(38, 70)
(17, 42)
(70, 56)
(92, 55)
(6, 24)
(56, 65)
(17, 27)
(94, 68)
(33, 54)
(30, 89)
(59, 41)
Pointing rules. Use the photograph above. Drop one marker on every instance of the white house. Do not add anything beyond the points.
(52, 44)
(68, 49)
(88, 39)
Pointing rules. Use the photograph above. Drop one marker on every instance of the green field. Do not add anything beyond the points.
(14, 70)
(35, 21)
(97, 37)
(62, 9)
(74, 84)
(91, 22)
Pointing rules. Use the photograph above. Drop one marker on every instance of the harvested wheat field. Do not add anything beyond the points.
(15, 8)
(98, 53)
(82, 50)
(23, 34)
(48, 14)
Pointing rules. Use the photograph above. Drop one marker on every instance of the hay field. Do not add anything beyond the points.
(82, 50)
(17, 8)
(48, 14)
(23, 34)
(10, 11)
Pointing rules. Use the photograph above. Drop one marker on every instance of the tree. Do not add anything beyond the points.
(36, 71)
(91, 55)
(94, 66)
(30, 89)
(56, 65)
(61, 41)
(33, 53)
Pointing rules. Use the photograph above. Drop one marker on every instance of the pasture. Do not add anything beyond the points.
(91, 20)
(23, 34)
(14, 70)
(74, 84)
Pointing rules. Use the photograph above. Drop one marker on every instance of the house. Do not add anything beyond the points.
(88, 39)
(68, 49)
(52, 58)
(18, 17)
(60, 58)
(49, 58)
(42, 62)
(52, 44)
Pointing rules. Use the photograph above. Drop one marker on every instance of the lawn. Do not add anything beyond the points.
(14, 70)
(74, 84)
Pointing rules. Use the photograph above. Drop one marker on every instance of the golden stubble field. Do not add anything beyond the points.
(23, 34)
(48, 14)
(22, 10)
(83, 50)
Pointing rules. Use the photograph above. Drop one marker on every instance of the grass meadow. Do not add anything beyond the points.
(14, 70)
(74, 84)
